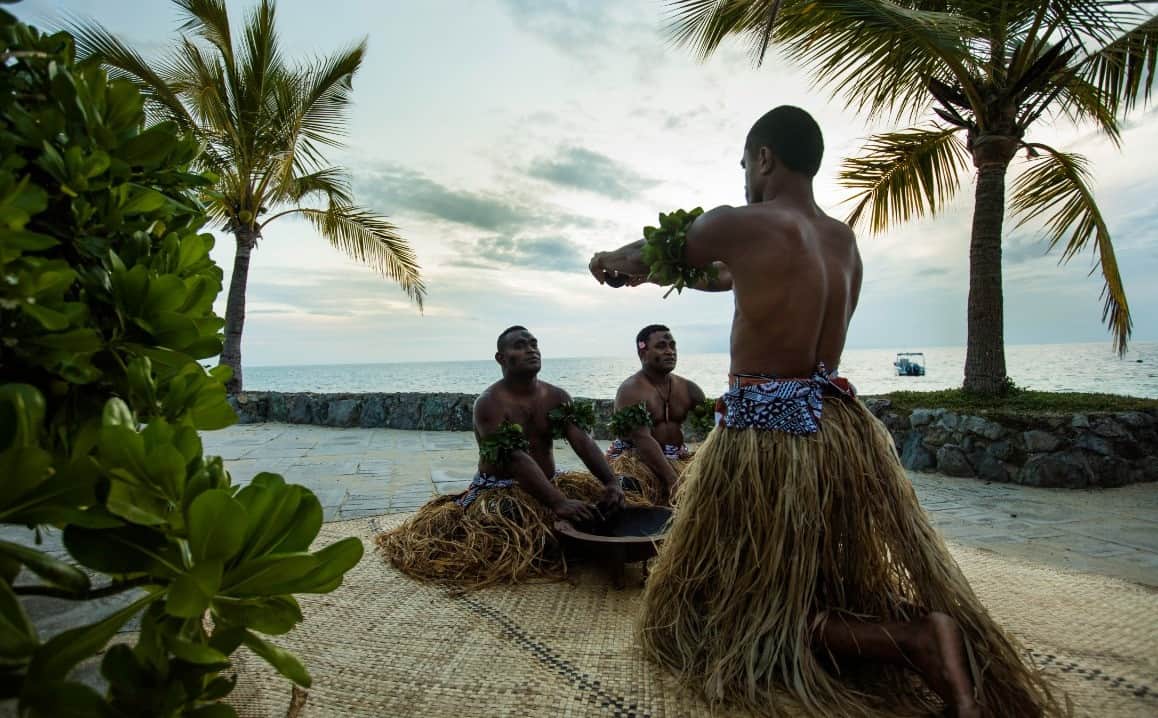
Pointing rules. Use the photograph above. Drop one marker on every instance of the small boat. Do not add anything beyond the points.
(910, 364)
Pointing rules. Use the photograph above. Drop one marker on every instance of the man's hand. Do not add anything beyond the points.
(622, 267)
(574, 511)
(612, 498)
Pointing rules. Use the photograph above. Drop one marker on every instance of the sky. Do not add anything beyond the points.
(508, 140)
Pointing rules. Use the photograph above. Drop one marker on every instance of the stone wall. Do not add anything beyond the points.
(1071, 451)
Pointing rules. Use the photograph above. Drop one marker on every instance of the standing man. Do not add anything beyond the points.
(501, 528)
(800, 560)
(650, 409)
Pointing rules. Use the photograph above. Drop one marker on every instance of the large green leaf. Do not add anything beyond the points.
(273, 616)
(285, 662)
(190, 593)
(333, 562)
(58, 656)
(63, 699)
(51, 569)
(267, 575)
(124, 550)
(217, 524)
(18, 637)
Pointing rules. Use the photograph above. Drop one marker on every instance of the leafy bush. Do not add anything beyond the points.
(106, 304)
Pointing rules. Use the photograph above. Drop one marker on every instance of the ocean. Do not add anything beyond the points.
(1049, 367)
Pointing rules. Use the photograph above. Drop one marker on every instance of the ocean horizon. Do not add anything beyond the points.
(1081, 367)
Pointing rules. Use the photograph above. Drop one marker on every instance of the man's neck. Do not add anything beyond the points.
(521, 383)
(655, 376)
(789, 188)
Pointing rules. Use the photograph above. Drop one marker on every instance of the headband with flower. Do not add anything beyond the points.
(641, 345)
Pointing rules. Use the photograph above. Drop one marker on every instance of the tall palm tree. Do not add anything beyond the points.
(265, 126)
(988, 70)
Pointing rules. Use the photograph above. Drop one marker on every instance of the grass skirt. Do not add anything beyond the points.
(774, 529)
(650, 486)
(504, 536)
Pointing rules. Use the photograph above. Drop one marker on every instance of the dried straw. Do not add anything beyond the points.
(504, 536)
(651, 488)
(775, 529)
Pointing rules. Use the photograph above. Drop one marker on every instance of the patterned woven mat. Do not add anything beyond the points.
(384, 645)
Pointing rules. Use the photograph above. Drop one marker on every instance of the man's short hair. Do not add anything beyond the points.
(792, 135)
(505, 332)
(646, 332)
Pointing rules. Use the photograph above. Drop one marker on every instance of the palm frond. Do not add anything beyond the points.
(1124, 69)
(333, 182)
(876, 53)
(162, 102)
(261, 63)
(209, 19)
(1057, 186)
(910, 173)
(324, 100)
(370, 239)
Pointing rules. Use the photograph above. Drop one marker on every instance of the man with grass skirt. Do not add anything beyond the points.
(799, 569)
(650, 409)
(501, 528)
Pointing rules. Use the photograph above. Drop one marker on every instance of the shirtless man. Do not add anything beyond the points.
(788, 579)
(669, 399)
(501, 529)
(521, 398)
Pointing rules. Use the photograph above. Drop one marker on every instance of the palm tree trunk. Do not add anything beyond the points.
(985, 349)
(235, 307)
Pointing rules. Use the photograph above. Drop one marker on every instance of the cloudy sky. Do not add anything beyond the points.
(509, 139)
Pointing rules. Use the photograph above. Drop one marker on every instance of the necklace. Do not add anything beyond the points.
(664, 398)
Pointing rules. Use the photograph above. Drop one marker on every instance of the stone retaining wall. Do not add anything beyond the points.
(1071, 451)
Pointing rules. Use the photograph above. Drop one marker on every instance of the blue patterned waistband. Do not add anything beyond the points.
(670, 451)
(481, 482)
(791, 406)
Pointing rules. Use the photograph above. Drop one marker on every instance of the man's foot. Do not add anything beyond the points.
(938, 653)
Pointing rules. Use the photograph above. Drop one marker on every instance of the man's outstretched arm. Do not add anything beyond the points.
(627, 261)
(520, 466)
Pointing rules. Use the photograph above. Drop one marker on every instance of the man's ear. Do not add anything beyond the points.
(499, 358)
(767, 160)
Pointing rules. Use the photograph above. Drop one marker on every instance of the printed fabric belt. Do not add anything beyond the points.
(670, 451)
(789, 405)
(481, 482)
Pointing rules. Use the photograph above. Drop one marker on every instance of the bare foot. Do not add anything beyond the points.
(938, 653)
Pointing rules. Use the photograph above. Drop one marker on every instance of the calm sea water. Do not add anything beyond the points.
(1051, 367)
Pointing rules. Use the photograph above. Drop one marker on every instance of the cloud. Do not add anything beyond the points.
(545, 253)
(580, 27)
(583, 169)
(394, 189)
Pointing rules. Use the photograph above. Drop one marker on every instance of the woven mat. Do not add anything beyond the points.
(384, 645)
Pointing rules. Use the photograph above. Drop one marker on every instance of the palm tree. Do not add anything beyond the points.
(265, 126)
(988, 70)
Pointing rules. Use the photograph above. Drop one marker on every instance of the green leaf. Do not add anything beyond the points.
(266, 576)
(50, 319)
(333, 563)
(124, 550)
(303, 527)
(216, 524)
(58, 656)
(117, 413)
(190, 594)
(18, 637)
(51, 569)
(217, 710)
(144, 200)
(121, 667)
(285, 662)
(22, 410)
(199, 653)
(63, 699)
(273, 616)
(136, 505)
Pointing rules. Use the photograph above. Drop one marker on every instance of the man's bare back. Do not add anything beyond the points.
(796, 276)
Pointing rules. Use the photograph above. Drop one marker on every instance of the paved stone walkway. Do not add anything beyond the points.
(365, 472)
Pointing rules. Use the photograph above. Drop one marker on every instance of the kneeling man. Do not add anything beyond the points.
(650, 409)
(501, 528)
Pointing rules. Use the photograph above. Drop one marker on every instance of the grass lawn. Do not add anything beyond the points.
(1020, 401)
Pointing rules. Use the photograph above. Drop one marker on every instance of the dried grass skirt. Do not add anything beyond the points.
(773, 530)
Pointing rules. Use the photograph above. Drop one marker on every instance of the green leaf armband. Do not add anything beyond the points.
(498, 448)
(630, 418)
(579, 413)
(665, 252)
(702, 417)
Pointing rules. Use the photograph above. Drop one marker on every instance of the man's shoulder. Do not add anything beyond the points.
(550, 393)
